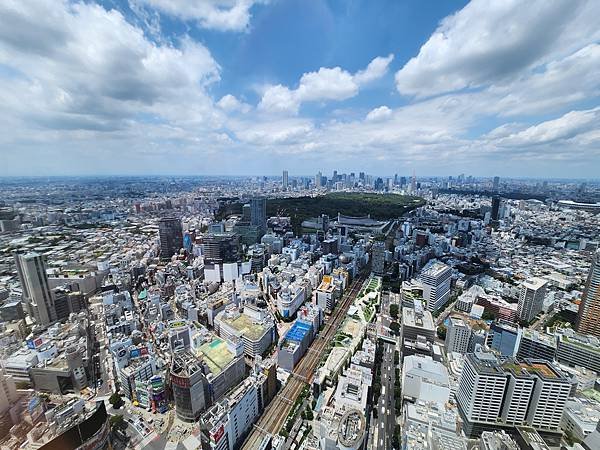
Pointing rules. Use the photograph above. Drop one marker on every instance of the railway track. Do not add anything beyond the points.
(275, 414)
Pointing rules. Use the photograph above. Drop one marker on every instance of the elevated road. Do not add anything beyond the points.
(275, 414)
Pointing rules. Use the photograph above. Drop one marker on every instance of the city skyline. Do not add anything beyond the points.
(251, 87)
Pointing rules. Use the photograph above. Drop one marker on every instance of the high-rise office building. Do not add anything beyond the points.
(495, 207)
(378, 255)
(537, 345)
(31, 269)
(531, 298)
(258, 213)
(171, 236)
(221, 248)
(504, 337)
(588, 316)
(458, 336)
(436, 279)
(318, 179)
(284, 180)
(496, 184)
(509, 393)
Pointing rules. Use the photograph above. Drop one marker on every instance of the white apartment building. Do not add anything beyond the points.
(531, 298)
(458, 336)
(436, 279)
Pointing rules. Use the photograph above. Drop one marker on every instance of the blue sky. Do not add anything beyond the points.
(257, 86)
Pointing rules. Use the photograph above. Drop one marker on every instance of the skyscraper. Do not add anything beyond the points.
(378, 255)
(284, 180)
(496, 184)
(495, 207)
(31, 269)
(258, 213)
(588, 316)
(171, 236)
(318, 179)
(531, 298)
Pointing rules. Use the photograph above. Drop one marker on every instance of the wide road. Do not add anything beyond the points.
(386, 414)
(275, 414)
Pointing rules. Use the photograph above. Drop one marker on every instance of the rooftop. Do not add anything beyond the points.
(412, 318)
(216, 355)
(535, 283)
(298, 330)
(542, 369)
(247, 327)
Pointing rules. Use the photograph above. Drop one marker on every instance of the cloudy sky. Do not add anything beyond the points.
(256, 86)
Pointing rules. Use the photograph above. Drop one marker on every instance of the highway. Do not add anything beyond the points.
(275, 414)
(386, 417)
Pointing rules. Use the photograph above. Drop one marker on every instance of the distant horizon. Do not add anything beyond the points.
(292, 176)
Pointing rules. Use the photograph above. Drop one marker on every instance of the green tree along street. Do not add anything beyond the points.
(378, 206)
(394, 310)
(441, 332)
(115, 400)
(487, 315)
(117, 422)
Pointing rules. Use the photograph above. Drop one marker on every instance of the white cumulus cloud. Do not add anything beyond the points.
(223, 15)
(324, 84)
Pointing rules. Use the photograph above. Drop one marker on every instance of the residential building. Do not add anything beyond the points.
(458, 336)
(436, 278)
(531, 298)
